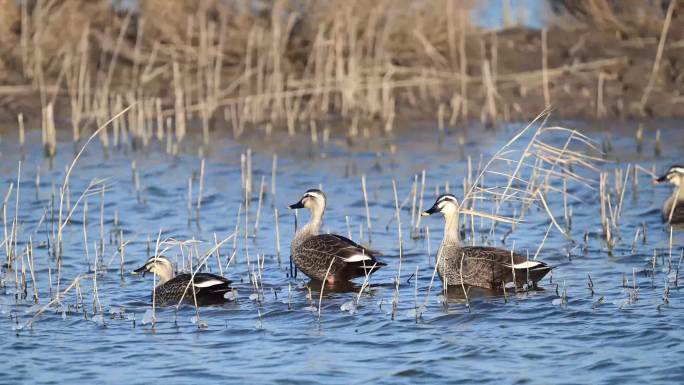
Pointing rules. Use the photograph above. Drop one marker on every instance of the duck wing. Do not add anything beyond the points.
(502, 265)
(342, 248)
(212, 282)
(347, 241)
(204, 283)
(348, 258)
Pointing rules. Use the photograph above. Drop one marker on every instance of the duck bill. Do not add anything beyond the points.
(140, 271)
(430, 211)
(659, 180)
(298, 205)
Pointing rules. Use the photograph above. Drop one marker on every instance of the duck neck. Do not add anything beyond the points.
(451, 230)
(678, 193)
(164, 275)
(311, 228)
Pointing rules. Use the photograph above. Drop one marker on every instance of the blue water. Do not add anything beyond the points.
(537, 337)
(490, 14)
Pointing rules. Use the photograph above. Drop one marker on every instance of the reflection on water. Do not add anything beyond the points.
(624, 326)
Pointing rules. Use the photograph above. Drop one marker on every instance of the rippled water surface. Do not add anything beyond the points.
(617, 335)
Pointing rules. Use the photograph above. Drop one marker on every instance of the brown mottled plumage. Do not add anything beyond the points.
(314, 253)
(208, 288)
(486, 267)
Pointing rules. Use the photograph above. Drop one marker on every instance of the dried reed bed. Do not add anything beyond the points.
(289, 66)
(305, 67)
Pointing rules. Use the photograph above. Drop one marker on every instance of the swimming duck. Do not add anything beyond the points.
(673, 209)
(313, 253)
(486, 267)
(208, 288)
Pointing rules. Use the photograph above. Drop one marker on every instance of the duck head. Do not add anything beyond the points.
(446, 204)
(674, 175)
(313, 200)
(159, 265)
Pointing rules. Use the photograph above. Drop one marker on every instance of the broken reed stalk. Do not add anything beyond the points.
(600, 107)
(545, 67)
(122, 255)
(96, 296)
(416, 229)
(262, 191)
(15, 221)
(49, 132)
(58, 246)
(40, 311)
(8, 247)
(325, 280)
(189, 205)
(366, 283)
(218, 256)
(397, 279)
(463, 63)
(22, 135)
(365, 201)
(31, 260)
(414, 194)
(85, 232)
(432, 278)
(274, 167)
(201, 189)
(277, 232)
(659, 54)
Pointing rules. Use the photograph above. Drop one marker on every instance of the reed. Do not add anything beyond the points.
(22, 133)
(273, 80)
(262, 192)
(31, 262)
(365, 201)
(659, 54)
(416, 228)
(397, 278)
(277, 70)
(277, 233)
(201, 189)
(274, 168)
(320, 295)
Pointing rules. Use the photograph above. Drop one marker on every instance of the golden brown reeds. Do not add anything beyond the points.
(291, 65)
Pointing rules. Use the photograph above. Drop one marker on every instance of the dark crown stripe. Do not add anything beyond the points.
(446, 197)
(676, 168)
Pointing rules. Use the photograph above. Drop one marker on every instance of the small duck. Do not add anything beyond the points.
(314, 253)
(209, 289)
(673, 209)
(485, 267)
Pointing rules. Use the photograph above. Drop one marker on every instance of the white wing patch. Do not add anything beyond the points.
(209, 283)
(527, 265)
(358, 258)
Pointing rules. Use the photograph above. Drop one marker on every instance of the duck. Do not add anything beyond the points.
(479, 266)
(328, 258)
(673, 208)
(209, 289)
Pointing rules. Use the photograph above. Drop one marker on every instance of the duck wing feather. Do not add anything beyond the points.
(490, 266)
(314, 255)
